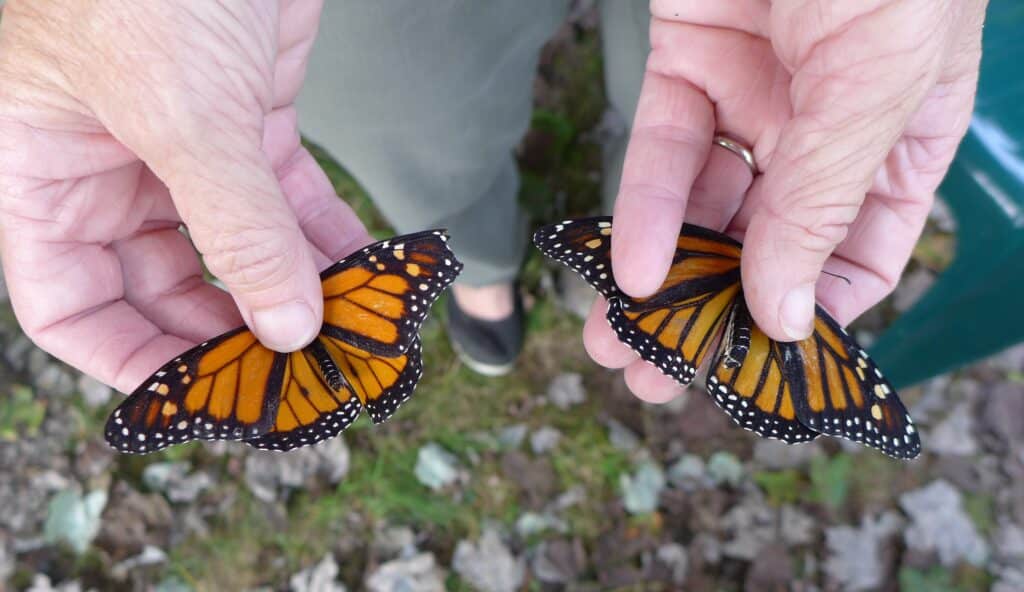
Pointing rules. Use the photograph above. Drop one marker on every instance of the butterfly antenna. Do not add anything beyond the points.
(836, 275)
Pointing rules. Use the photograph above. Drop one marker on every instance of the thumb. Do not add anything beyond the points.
(815, 184)
(240, 222)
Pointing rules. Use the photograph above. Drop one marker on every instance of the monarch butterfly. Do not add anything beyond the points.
(825, 384)
(366, 355)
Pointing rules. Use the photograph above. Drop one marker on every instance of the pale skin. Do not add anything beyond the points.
(120, 120)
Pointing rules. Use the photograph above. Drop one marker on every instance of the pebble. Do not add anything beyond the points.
(544, 440)
(74, 519)
(566, 390)
(174, 480)
(531, 523)
(270, 474)
(511, 437)
(488, 565)
(856, 555)
(94, 393)
(559, 561)
(642, 490)
(675, 557)
(939, 523)
(725, 468)
(55, 381)
(150, 555)
(395, 541)
(419, 573)
(435, 466)
(322, 577)
(621, 437)
(955, 434)
(776, 455)
(689, 473)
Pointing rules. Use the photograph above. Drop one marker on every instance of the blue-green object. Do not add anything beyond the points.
(976, 306)
(74, 519)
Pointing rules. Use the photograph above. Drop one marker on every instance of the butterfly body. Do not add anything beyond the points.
(825, 384)
(367, 354)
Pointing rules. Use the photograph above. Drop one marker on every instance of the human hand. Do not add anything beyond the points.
(121, 120)
(853, 112)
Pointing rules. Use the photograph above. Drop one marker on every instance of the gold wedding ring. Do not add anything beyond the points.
(739, 150)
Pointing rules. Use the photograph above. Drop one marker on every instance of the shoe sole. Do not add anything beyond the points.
(482, 368)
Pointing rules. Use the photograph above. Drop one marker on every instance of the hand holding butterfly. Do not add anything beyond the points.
(119, 121)
(853, 111)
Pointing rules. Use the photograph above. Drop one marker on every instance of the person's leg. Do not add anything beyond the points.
(625, 26)
(424, 104)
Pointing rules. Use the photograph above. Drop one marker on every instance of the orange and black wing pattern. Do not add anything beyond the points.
(368, 355)
(377, 298)
(676, 327)
(825, 384)
(225, 389)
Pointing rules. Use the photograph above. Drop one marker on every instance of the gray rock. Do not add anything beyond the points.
(940, 524)
(569, 498)
(418, 573)
(174, 480)
(856, 557)
(55, 380)
(74, 518)
(322, 577)
(1010, 359)
(17, 351)
(1003, 408)
(955, 434)
(725, 468)
(575, 295)
(942, 216)
(488, 565)
(566, 390)
(544, 440)
(776, 455)
(172, 584)
(395, 541)
(435, 466)
(689, 473)
(674, 556)
(41, 583)
(559, 561)
(751, 524)
(622, 437)
(531, 523)
(511, 437)
(7, 559)
(94, 393)
(150, 555)
(642, 490)
(911, 287)
(1011, 579)
(1009, 542)
(271, 474)
(796, 526)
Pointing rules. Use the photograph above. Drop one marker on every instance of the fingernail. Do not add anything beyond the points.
(796, 314)
(285, 327)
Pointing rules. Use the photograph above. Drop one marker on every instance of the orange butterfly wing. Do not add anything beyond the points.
(676, 328)
(367, 355)
(225, 389)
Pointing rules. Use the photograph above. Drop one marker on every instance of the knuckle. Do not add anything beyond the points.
(253, 259)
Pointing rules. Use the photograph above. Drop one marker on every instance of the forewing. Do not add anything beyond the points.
(584, 245)
(377, 298)
(224, 389)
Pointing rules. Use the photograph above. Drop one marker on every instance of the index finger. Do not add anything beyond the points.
(668, 146)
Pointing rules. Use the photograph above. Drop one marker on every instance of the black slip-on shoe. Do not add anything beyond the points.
(489, 348)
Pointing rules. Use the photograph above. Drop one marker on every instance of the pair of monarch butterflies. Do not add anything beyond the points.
(367, 355)
(825, 384)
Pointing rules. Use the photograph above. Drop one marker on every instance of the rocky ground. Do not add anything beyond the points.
(552, 478)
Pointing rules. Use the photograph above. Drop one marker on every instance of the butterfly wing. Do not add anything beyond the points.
(584, 245)
(225, 389)
(377, 298)
(749, 380)
(676, 328)
(847, 395)
(825, 383)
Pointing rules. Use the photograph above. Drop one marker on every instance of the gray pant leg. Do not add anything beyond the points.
(424, 102)
(625, 34)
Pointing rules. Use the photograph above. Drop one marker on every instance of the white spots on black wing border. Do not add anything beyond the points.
(325, 427)
(747, 415)
(670, 362)
(381, 409)
(590, 260)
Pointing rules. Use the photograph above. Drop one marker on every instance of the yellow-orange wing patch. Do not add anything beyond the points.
(751, 380)
(377, 298)
(676, 328)
(848, 396)
(224, 389)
